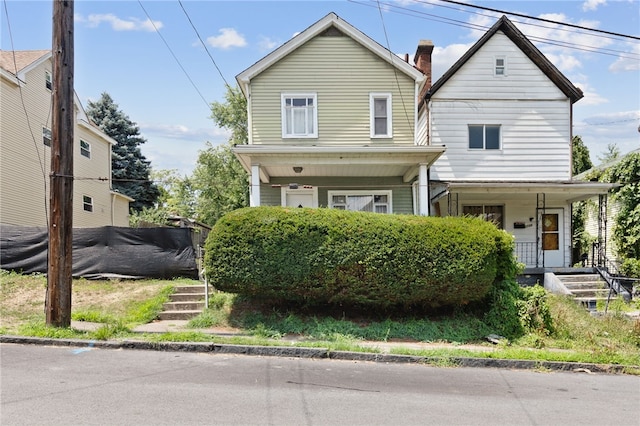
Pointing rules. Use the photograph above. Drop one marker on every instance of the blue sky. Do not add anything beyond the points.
(118, 50)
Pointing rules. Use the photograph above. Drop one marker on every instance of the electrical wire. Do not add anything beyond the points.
(174, 55)
(204, 45)
(26, 114)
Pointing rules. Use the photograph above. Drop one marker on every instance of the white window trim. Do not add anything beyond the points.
(495, 66)
(372, 125)
(48, 80)
(46, 130)
(388, 193)
(85, 203)
(302, 190)
(283, 96)
(88, 148)
(484, 137)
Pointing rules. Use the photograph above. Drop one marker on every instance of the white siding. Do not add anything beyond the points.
(534, 115)
(342, 73)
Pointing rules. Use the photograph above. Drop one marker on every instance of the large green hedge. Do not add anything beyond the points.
(318, 256)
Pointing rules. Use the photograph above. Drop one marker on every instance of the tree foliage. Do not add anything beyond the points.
(581, 158)
(130, 169)
(612, 153)
(220, 182)
(581, 163)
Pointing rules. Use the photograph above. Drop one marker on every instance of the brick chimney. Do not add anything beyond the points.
(422, 61)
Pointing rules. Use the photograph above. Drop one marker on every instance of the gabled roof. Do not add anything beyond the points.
(520, 40)
(330, 20)
(19, 62)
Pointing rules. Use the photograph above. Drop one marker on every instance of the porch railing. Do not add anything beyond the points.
(527, 253)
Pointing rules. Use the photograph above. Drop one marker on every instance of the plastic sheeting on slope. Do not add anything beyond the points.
(104, 252)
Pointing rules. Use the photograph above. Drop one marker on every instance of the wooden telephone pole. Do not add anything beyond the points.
(59, 272)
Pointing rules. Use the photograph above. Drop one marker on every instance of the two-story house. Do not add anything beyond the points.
(336, 120)
(25, 150)
(504, 112)
(332, 122)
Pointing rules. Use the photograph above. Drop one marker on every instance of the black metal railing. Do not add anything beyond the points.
(527, 253)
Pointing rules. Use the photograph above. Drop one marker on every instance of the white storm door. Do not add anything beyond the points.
(552, 227)
(300, 197)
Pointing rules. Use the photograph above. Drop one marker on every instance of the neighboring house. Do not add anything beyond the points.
(600, 227)
(504, 112)
(25, 150)
(336, 120)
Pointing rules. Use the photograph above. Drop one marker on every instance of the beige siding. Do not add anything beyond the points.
(120, 211)
(342, 73)
(25, 162)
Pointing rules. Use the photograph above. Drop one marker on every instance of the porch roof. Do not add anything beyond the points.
(569, 191)
(337, 160)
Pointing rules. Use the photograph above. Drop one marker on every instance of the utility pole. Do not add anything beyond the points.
(59, 272)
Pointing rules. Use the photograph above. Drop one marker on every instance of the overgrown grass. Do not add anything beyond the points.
(572, 334)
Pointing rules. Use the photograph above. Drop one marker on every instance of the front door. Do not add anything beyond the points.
(552, 227)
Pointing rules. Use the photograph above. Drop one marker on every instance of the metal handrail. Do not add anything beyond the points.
(610, 272)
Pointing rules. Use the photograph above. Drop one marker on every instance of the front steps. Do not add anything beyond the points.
(187, 302)
(587, 289)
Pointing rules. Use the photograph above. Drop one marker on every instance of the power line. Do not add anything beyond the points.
(204, 45)
(550, 21)
(174, 55)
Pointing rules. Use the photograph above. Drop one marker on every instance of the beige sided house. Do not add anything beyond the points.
(25, 153)
(333, 123)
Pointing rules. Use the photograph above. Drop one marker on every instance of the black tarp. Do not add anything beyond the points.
(104, 252)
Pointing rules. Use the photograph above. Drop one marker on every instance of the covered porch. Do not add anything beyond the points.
(339, 176)
(537, 214)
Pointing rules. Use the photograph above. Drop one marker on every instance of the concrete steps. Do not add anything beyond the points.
(186, 302)
(587, 289)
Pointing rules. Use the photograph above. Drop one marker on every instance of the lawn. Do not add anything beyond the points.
(122, 304)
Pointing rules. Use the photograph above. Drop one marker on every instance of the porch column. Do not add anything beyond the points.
(254, 190)
(423, 190)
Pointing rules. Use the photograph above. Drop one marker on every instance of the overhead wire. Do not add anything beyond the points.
(174, 55)
(395, 71)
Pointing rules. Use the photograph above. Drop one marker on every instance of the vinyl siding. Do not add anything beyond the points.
(342, 73)
(401, 196)
(25, 162)
(534, 115)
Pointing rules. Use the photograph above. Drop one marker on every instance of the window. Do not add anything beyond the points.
(483, 136)
(493, 214)
(48, 80)
(380, 105)
(299, 116)
(46, 136)
(500, 66)
(85, 149)
(87, 203)
(362, 201)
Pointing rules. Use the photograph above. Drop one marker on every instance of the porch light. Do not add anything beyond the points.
(297, 169)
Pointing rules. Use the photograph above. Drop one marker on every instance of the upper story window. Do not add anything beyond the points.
(362, 201)
(48, 80)
(299, 115)
(380, 112)
(85, 149)
(484, 136)
(87, 203)
(46, 136)
(500, 68)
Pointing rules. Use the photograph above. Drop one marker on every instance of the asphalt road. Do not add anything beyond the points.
(68, 386)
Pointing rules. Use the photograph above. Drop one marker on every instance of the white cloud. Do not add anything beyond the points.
(591, 97)
(444, 57)
(227, 39)
(626, 63)
(266, 43)
(182, 132)
(118, 24)
(592, 4)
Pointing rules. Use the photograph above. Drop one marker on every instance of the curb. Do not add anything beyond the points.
(321, 353)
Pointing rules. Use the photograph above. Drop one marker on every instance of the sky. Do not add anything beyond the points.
(165, 62)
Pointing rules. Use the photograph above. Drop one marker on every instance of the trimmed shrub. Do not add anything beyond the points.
(326, 256)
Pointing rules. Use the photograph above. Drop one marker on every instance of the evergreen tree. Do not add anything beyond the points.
(130, 169)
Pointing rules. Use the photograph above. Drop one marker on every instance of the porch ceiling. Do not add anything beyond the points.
(337, 160)
(565, 191)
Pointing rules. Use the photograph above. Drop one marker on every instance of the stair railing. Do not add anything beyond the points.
(610, 272)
